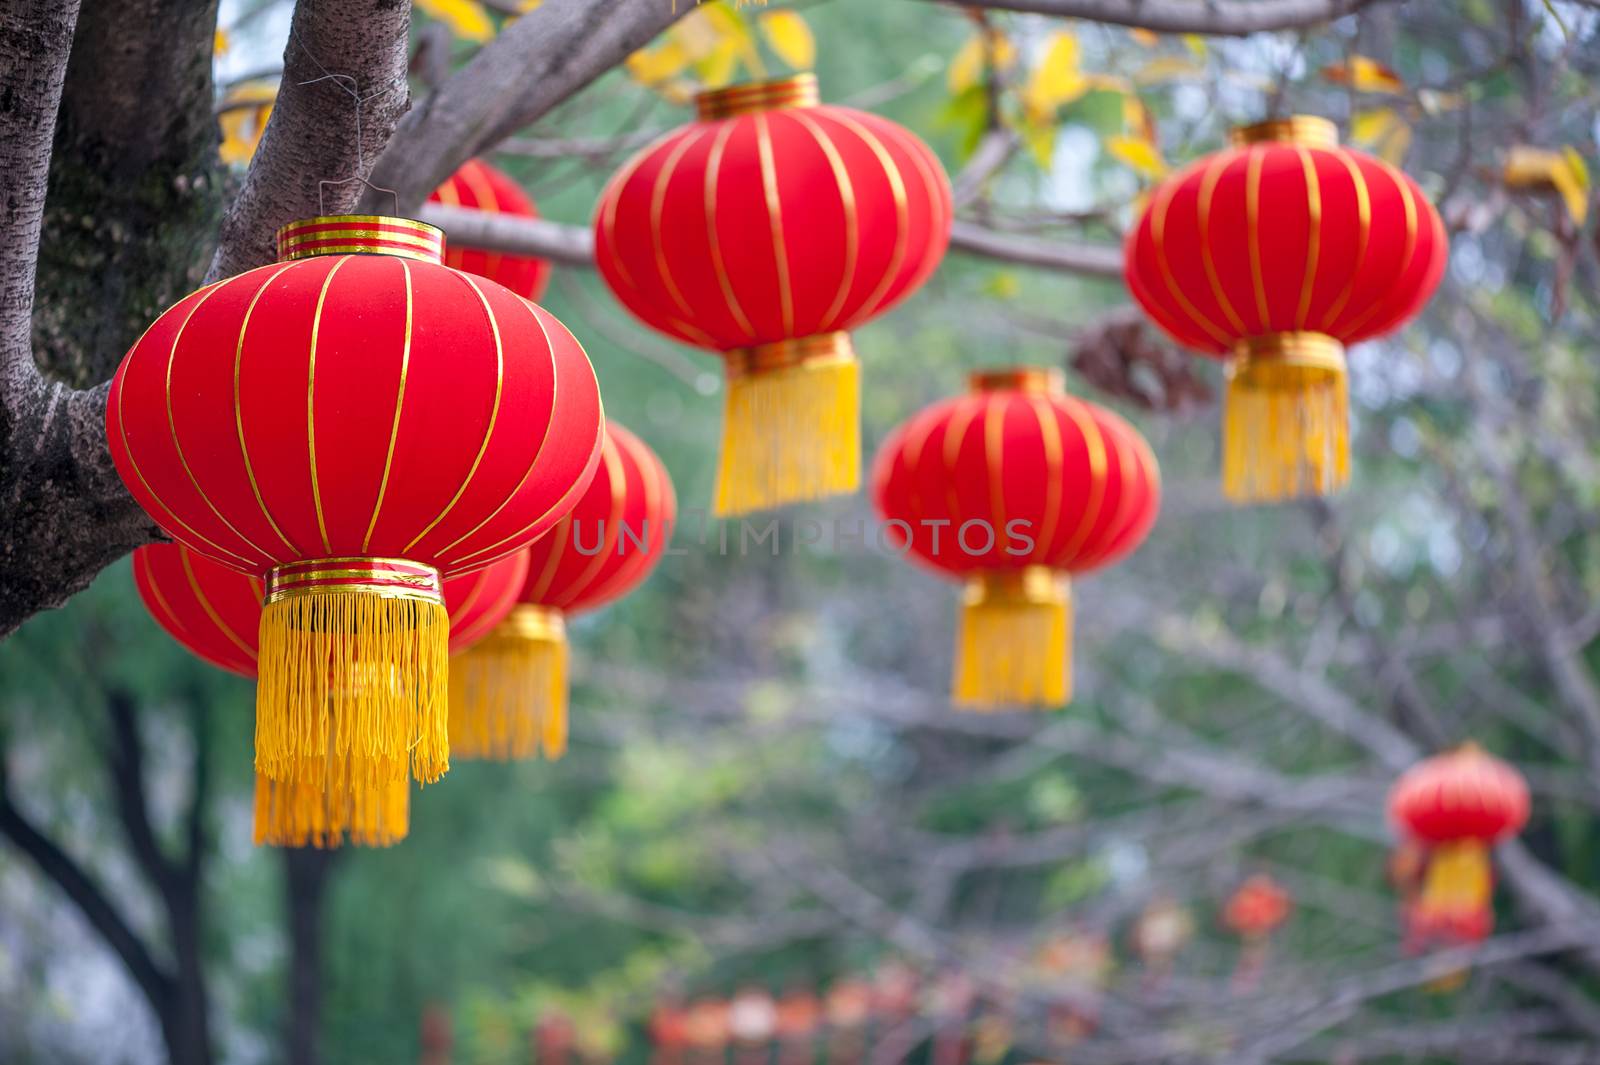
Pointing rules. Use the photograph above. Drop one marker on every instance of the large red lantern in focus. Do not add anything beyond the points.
(484, 188)
(215, 613)
(1276, 254)
(1013, 488)
(508, 695)
(1456, 806)
(766, 231)
(348, 424)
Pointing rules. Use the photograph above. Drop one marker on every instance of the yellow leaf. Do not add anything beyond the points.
(718, 68)
(1166, 68)
(1137, 153)
(717, 34)
(790, 38)
(1384, 131)
(245, 110)
(1040, 138)
(1563, 172)
(1144, 37)
(220, 42)
(466, 18)
(1196, 45)
(1364, 74)
(1136, 118)
(652, 66)
(530, 5)
(1056, 80)
(971, 63)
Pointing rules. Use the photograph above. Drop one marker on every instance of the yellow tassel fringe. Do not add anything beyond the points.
(508, 692)
(1014, 644)
(1285, 431)
(791, 426)
(352, 689)
(303, 814)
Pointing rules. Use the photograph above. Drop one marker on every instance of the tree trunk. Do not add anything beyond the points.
(306, 874)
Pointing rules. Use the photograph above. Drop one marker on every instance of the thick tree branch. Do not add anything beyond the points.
(87, 896)
(35, 41)
(574, 245)
(135, 182)
(535, 63)
(1224, 18)
(344, 89)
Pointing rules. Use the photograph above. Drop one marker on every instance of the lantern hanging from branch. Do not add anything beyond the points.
(1013, 488)
(1456, 806)
(508, 695)
(766, 231)
(1277, 254)
(215, 613)
(1253, 912)
(484, 188)
(348, 425)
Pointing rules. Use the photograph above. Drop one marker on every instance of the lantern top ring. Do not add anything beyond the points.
(360, 234)
(392, 578)
(1310, 131)
(1034, 584)
(1316, 351)
(1039, 379)
(797, 90)
(532, 621)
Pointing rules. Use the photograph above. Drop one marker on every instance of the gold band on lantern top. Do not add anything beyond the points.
(530, 621)
(1031, 585)
(798, 90)
(390, 578)
(1311, 131)
(361, 234)
(1314, 351)
(1042, 380)
(819, 350)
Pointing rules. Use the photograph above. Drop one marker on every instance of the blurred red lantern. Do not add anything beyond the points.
(766, 231)
(484, 188)
(374, 419)
(215, 613)
(1276, 254)
(1012, 488)
(1456, 806)
(1254, 911)
(509, 693)
(1257, 907)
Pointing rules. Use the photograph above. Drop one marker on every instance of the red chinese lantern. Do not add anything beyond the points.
(1277, 254)
(484, 188)
(509, 693)
(1456, 806)
(1253, 912)
(347, 425)
(766, 231)
(215, 613)
(1013, 488)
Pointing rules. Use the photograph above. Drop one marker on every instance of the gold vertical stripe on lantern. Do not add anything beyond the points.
(353, 668)
(1014, 642)
(791, 425)
(1285, 427)
(305, 813)
(508, 692)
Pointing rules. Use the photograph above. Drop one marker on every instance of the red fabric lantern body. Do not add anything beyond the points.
(215, 613)
(509, 694)
(765, 231)
(347, 424)
(1456, 806)
(484, 188)
(1013, 488)
(1277, 253)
